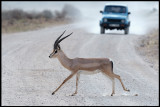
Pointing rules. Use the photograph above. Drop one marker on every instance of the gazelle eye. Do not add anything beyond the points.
(55, 51)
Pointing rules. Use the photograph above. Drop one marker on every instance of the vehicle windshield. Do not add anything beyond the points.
(115, 9)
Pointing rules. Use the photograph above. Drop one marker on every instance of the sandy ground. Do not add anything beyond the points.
(29, 76)
(148, 48)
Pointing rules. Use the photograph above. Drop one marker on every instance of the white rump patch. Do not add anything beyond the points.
(110, 59)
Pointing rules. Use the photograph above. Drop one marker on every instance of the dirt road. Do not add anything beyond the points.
(29, 76)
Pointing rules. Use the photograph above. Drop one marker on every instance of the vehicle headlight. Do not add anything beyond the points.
(105, 20)
(122, 21)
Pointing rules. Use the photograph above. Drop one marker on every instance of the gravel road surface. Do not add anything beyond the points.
(29, 76)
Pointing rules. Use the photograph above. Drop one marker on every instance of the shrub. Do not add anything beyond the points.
(17, 14)
(13, 14)
(47, 14)
(71, 12)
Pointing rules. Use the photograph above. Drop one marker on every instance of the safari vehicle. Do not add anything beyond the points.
(115, 17)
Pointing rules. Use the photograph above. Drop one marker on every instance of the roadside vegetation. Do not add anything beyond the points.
(17, 20)
(148, 47)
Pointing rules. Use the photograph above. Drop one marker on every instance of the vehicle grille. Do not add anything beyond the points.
(114, 20)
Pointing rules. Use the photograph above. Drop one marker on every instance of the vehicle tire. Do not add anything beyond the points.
(102, 30)
(126, 30)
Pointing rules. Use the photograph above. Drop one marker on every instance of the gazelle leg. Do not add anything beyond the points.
(70, 76)
(113, 86)
(77, 80)
(110, 75)
(119, 78)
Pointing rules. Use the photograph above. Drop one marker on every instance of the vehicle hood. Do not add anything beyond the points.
(116, 16)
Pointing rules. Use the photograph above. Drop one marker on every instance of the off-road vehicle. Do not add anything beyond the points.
(115, 17)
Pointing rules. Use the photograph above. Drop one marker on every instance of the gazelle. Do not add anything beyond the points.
(84, 65)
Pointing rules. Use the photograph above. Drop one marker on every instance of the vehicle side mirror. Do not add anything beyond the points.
(129, 13)
(101, 11)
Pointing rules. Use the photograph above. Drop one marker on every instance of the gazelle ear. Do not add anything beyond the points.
(58, 47)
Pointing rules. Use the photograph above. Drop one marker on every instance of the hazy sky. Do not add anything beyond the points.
(39, 6)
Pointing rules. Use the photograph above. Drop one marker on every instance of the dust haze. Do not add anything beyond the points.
(143, 17)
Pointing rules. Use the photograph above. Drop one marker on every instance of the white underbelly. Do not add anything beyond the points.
(89, 72)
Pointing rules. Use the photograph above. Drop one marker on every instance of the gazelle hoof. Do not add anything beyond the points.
(112, 93)
(73, 94)
(128, 90)
(53, 93)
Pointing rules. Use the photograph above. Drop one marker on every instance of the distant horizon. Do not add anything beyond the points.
(57, 5)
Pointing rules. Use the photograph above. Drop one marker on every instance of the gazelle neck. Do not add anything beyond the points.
(64, 60)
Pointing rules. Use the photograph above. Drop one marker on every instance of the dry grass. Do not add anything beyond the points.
(149, 48)
(27, 25)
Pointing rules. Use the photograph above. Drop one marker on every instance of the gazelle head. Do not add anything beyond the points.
(56, 46)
